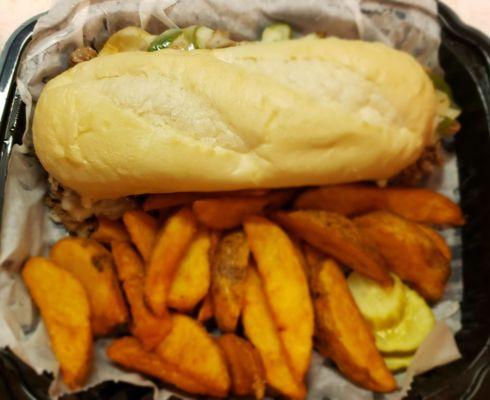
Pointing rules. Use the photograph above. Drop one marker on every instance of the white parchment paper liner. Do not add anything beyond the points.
(27, 231)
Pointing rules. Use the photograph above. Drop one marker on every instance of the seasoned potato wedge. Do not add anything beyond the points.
(127, 39)
(148, 328)
(229, 212)
(338, 237)
(286, 288)
(108, 231)
(410, 332)
(245, 366)
(438, 240)
(192, 278)
(382, 307)
(142, 228)
(415, 204)
(170, 248)
(168, 200)
(65, 310)
(93, 266)
(260, 328)
(342, 333)
(196, 354)
(229, 278)
(398, 362)
(408, 252)
(206, 310)
(129, 353)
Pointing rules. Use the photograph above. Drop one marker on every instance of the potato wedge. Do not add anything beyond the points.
(342, 333)
(382, 307)
(206, 310)
(129, 353)
(192, 278)
(148, 328)
(260, 328)
(229, 212)
(229, 277)
(143, 229)
(408, 252)
(108, 231)
(65, 310)
(196, 354)
(93, 266)
(438, 240)
(168, 200)
(244, 365)
(410, 332)
(286, 288)
(338, 237)
(415, 204)
(170, 247)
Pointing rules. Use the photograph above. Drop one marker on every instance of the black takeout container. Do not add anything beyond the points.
(465, 57)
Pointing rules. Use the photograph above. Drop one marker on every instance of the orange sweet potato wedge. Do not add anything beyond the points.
(244, 365)
(129, 353)
(93, 266)
(416, 204)
(143, 229)
(286, 288)
(148, 328)
(260, 328)
(109, 230)
(341, 332)
(65, 311)
(189, 347)
(338, 237)
(408, 252)
(171, 245)
(228, 212)
(229, 277)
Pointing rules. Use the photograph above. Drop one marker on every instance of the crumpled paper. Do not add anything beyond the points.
(27, 231)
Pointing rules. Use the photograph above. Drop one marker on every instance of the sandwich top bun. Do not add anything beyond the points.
(291, 113)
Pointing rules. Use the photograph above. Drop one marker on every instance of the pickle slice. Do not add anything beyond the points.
(411, 331)
(382, 307)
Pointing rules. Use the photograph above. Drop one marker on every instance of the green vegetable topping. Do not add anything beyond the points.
(276, 33)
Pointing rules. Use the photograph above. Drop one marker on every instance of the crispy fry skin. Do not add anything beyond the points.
(65, 310)
(286, 288)
(261, 330)
(129, 353)
(109, 231)
(245, 366)
(416, 204)
(228, 212)
(409, 253)
(229, 277)
(192, 278)
(149, 329)
(438, 240)
(341, 332)
(206, 311)
(93, 266)
(196, 354)
(170, 247)
(338, 237)
(143, 229)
